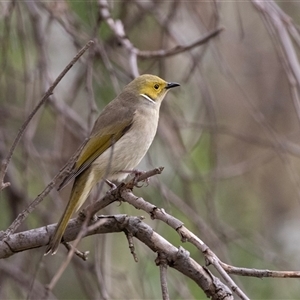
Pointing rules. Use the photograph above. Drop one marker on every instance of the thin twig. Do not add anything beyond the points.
(49, 92)
(118, 29)
(259, 272)
(180, 49)
(129, 237)
(162, 262)
(24, 214)
(64, 265)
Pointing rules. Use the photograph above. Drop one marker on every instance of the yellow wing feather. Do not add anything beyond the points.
(99, 141)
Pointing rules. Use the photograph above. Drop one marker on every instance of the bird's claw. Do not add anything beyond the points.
(137, 174)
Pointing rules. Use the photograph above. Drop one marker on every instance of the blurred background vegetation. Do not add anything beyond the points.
(228, 137)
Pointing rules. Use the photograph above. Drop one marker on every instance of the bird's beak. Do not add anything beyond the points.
(171, 85)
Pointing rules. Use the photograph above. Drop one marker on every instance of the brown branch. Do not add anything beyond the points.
(49, 92)
(279, 145)
(180, 49)
(279, 25)
(118, 29)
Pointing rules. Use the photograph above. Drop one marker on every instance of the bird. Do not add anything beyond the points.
(120, 138)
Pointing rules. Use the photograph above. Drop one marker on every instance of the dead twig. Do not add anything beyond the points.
(49, 92)
(259, 272)
(162, 262)
(24, 214)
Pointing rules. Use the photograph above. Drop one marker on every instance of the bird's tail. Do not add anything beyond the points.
(82, 186)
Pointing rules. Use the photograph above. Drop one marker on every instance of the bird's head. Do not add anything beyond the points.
(150, 87)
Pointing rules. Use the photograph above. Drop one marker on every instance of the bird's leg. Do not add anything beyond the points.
(137, 174)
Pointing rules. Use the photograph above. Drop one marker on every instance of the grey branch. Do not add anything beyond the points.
(178, 259)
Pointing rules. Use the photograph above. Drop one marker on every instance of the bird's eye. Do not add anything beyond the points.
(156, 86)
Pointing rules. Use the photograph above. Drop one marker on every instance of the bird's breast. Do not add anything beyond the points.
(129, 150)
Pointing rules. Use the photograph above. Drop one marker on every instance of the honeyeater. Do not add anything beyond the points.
(120, 138)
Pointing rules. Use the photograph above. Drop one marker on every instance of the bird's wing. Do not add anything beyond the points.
(108, 129)
(97, 145)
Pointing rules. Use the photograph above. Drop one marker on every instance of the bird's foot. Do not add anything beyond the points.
(136, 177)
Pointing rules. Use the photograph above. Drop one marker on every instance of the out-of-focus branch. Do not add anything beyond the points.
(24, 214)
(118, 29)
(279, 25)
(180, 49)
(23, 279)
(6, 161)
